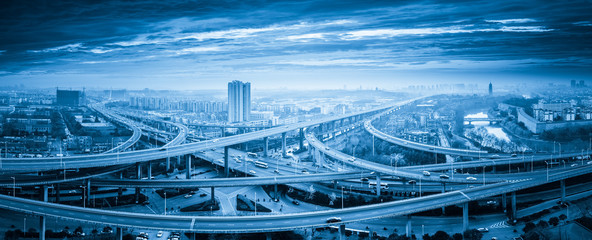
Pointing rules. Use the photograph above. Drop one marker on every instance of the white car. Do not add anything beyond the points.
(471, 179)
(426, 173)
(252, 172)
(159, 234)
(482, 229)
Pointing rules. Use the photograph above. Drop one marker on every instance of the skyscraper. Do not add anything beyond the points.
(239, 101)
(490, 89)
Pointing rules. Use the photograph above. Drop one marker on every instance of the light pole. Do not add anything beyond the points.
(13, 186)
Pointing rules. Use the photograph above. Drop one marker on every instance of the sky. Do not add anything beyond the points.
(187, 45)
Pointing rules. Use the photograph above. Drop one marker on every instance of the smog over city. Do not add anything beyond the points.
(295, 119)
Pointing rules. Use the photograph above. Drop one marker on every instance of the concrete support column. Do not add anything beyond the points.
(408, 226)
(138, 170)
(301, 139)
(465, 207)
(378, 187)
(342, 232)
(513, 205)
(120, 189)
(44, 197)
(87, 192)
(213, 194)
(168, 164)
(226, 170)
(562, 182)
(284, 144)
(188, 166)
(443, 191)
(275, 192)
(265, 146)
(268, 236)
(504, 202)
(493, 169)
(178, 160)
(223, 130)
(119, 234)
(57, 200)
(149, 169)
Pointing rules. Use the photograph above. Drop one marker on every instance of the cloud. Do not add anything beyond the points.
(515, 20)
(2, 51)
(583, 23)
(304, 37)
(524, 29)
(333, 62)
(197, 50)
(390, 32)
(74, 47)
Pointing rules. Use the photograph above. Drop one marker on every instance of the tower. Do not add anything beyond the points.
(490, 89)
(239, 101)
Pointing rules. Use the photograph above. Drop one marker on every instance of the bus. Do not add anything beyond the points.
(382, 185)
(261, 164)
(253, 155)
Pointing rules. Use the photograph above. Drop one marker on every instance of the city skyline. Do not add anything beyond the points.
(306, 45)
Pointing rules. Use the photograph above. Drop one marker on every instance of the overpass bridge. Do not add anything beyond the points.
(490, 120)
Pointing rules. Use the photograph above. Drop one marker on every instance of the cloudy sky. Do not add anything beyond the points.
(288, 44)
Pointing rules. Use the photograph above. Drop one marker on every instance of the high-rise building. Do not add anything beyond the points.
(490, 89)
(70, 97)
(239, 101)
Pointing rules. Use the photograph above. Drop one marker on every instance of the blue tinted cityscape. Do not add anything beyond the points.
(433, 120)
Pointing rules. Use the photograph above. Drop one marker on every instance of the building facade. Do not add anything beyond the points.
(239, 101)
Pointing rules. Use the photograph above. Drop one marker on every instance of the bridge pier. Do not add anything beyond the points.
(42, 218)
(275, 192)
(301, 139)
(465, 207)
(562, 182)
(223, 131)
(87, 192)
(513, 205)
(149, 169)
(57, 190)
(284, 144)
(168, 164)
(443, 191)
(188, 166)
(139, 176)
(342, 232)
(408, 226)
(119, 233)
(504, 202)
(378, 186)
(265, 146)
(268, 236)
(178, 160)
(226, 170)
(212, 193)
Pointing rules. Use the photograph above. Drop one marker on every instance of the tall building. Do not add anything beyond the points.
(239, 101)
(490, 89)
(70, 97)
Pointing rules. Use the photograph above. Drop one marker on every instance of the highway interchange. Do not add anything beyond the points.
(482, 188)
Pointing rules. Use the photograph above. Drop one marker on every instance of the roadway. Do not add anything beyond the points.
(269, 223)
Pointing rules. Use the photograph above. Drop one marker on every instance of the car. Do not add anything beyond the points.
(491, 202)
(203, 195)
(364, 179)
(159, 234)
(352, 159)
(412, 182)
(574, 165)
(444, 176)
(589, 162)
(188, 196)
(426, 173)
(333, 220)
(495, 156)
(276, 171)
(162, 149)
(327, 148)
(146, 203)
(305, 172)
(514, 155)
(482, 229)
(471, 179)
(252, 172)
(289, 163)
(237, 160)
(296, 202)
(215, 140)
(213, 149)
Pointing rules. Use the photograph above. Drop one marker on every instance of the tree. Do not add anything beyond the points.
(457, 236)
(554, 221)
(562, 217)
(441, 235)
(542, 224)
(472, 234)
(528, 227)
